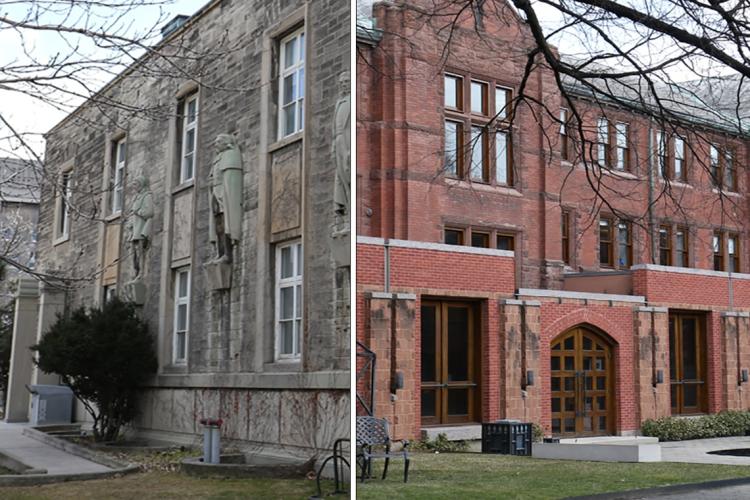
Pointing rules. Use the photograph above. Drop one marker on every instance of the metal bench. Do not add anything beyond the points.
(373, 433)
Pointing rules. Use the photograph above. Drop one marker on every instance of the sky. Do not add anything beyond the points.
(34, 117)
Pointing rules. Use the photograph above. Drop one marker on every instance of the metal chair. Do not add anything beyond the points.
(373, 432)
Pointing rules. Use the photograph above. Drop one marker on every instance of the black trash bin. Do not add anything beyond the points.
(507, 437)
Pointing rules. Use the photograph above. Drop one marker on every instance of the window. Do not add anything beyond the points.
(502, 103)
(565, 230)
(479, 98)
(292, 84)
(605, 242)
(454, 236)
(602, 142)
(117, 177)
(288, 300)
(506, 242)
(478, 144)
(624, 245)
(623, 155)
(109, 292)
(453, 157)
(665, 245)
(682, 242)
(733, 251)
(181, 315)
(718, 247)
(503, 172)
(661, 154)
(189, 110)
(480, 240)
(564, 147)
(715, 166)
(679, 159)
(63, 205)
(454, 92)
(730, 176)
(479, 168)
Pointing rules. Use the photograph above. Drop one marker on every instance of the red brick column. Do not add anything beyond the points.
(652, 354)
(392, 335)
(519, 353)
(735, 357)
(379, 341)
(406, 422)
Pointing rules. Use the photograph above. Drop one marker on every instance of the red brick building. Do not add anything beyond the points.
(492, 284)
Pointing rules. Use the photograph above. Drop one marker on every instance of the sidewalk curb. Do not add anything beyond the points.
(658, 491)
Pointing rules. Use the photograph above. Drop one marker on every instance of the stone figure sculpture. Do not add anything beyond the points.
(341, 146)
(141, 213)
(225, 179)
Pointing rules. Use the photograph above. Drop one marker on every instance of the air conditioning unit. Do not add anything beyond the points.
(51, 404)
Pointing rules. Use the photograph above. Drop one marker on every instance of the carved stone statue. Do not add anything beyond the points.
(141, 213)
(225, 222)
(341, 146)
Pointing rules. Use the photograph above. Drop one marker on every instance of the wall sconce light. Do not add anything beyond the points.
(743, 375)
(658, 377)
(529, 378)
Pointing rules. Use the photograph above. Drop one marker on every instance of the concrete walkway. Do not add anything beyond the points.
(39, 455)
(696, 451)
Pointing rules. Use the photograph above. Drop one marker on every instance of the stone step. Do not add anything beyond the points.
(454, 432)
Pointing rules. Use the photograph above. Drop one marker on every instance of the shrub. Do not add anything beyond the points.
(441, 444)
(537, 433)
(104, 356)
(726, 423)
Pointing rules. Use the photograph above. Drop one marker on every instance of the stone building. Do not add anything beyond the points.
(210, 196)
(19, 211)
(488, 286)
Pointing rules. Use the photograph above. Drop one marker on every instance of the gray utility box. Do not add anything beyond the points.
(51, 404)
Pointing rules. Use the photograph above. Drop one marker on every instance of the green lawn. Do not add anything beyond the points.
(158, 485)
(471, 475)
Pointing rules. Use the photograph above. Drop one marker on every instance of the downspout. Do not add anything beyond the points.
(523, 360)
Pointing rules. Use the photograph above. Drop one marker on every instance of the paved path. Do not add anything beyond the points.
(43, 456)
(728, 493)
(696, 451)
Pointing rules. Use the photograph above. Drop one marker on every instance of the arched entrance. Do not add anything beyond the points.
(582, 383)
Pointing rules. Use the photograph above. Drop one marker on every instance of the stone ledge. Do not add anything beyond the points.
(595, 452)
(690, 270)
(564, 294)
(333, 380)
(454, 433)
(427, 245)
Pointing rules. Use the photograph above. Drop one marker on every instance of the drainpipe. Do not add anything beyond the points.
(387, 264)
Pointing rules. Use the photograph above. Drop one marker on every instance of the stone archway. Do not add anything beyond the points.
(582, 385)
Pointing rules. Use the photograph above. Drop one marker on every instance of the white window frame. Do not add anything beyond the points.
(602, 141)
(115, 206)
(178, 301)
(679, 158)
(188, 126)
(621, 139)
(295, 283)
(297, 71)
(62, 211)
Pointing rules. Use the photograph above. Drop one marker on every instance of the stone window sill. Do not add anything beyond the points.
(284, 365)
(113, 217)
(478, 186)
(61, 240)
(183, 187)
(286, 141)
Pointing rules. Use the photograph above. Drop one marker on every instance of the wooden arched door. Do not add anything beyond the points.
(582, 384)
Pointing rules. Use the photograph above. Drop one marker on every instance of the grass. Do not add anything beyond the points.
(475, 476)
(160, 479)
(158, 485)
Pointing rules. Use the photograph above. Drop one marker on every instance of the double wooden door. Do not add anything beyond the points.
(582, 395)
(449, 363)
